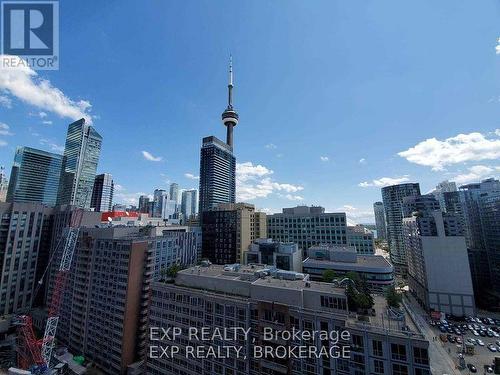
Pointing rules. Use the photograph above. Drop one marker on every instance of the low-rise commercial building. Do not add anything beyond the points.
(375, 269)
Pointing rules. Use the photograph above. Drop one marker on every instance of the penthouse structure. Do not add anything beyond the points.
(254, 299)
(285, 256)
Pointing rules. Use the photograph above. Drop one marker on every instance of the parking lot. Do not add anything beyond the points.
(480, 336)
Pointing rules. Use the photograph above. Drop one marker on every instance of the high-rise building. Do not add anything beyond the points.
(392, 197)
(4, 185)
(35, 176)
(159, 198)
(217, 174)
(144, 204)
(308, 226)
(490, 218)
(81, 155)
(102, 194)
(174, 192)
(217, 162)
(419, 203)
(438, 265)
(189, 203)
(24, 234)
(229, 230)
(378, 209)
(253, 299)
(104, 306)
(472, 197)
(442, 188)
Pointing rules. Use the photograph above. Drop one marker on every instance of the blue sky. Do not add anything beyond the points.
(329, 94)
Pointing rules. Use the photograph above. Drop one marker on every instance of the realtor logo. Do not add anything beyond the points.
(30, 30)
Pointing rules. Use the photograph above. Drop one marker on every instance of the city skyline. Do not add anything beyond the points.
(356, 133)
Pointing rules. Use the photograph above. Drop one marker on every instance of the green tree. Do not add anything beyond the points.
(393, 298)
(172, 270)
(329, 275)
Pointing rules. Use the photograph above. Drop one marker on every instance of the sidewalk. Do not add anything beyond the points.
(440, 361)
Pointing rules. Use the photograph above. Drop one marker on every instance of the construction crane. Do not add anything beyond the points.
(35, 354)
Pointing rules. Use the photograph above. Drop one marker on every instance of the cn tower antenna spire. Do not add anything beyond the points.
(229, 116)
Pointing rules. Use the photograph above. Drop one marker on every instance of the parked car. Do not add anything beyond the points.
(492, 348)
(480, 342)
(488, 369)
(471, 367)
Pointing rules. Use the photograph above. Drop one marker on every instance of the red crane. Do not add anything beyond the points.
(35, 354)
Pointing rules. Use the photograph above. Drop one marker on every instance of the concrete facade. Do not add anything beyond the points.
(218, 297)
(438, 265)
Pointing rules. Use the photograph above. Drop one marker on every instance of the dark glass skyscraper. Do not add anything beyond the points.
(35, 176)
(217, 174)
(102, 194)
(82, 150)
(217, 162)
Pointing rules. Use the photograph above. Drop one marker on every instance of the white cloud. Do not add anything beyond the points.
(52, 145)
(148, 156)
(5, 129)
(47, 122)
(362, 161)
(127, 198)
(5, 101)
(356, 215)
(24, 83)
(271, 146)
(384, 181)
(3, 143)
(461, 148)
(191, 176)
(254, 181)
(476, 173)
(291, 197)
(497, 48)
(497, 132)
(42, 114)
(324, 158)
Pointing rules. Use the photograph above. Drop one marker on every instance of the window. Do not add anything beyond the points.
(399, 369)
(377, 348)
(422, 371)
(421, 356)
(357, 343)
(378, 366)
(398, 352)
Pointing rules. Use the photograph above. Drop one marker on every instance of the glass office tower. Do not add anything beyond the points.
(82, 150)
(35, 176)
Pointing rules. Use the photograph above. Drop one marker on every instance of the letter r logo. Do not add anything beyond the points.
(29, 27)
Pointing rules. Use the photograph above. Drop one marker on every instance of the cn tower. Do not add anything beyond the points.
(229, 116)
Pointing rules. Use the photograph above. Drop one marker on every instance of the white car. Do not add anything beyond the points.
(492, 348)
(480, 342)
(474, 332)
